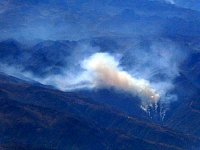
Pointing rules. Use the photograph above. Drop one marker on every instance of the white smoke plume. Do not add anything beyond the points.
(104, 71)
(147, 74)
(100, 70)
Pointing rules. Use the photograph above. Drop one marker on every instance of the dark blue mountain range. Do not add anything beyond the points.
(49, 38)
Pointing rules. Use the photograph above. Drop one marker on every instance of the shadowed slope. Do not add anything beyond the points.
(35, 115)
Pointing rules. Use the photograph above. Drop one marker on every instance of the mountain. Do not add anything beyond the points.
(186, 117)
(192, 4)
(58, 20)
(185, 114)
(119, 100)
(62, 120)
(44, 45)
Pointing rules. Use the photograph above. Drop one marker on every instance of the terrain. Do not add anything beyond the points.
(43, 45)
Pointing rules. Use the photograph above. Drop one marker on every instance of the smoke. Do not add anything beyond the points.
(145, 71)
(100, 70)
(105, 71)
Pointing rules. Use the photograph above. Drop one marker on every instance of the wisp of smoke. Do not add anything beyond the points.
(104, 71)
(145, 74)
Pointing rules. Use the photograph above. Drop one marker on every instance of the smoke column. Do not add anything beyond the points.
(105, 71)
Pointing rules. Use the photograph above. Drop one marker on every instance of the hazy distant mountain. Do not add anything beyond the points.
(58, 20)
(192, 4)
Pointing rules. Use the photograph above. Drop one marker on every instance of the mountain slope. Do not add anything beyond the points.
(50, 113)
(185, 114)
(61, 19)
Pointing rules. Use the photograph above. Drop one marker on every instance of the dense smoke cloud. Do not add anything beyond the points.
(104, 70)
(145, 72)
(100, 70)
